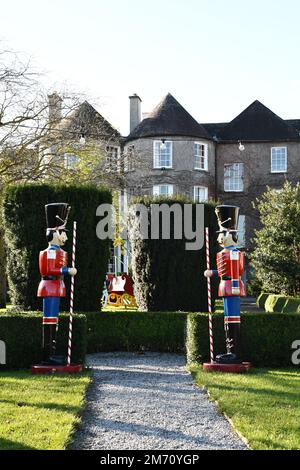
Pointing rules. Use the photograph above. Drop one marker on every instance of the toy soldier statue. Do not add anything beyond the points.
(230, 264)
(53, 266)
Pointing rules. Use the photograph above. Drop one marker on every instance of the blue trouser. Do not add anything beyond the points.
(50, 310)
(232, 309)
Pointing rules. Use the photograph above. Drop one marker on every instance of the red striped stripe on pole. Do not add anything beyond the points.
(210, 324)
(72, 296)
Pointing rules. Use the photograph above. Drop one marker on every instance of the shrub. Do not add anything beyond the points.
(261, 300)
(292, 304)
(22, 334)
(275, 257)
(266, 338)
(279, 303)
(168, 277)
(275, 303)
(135, 331)
(25, 224)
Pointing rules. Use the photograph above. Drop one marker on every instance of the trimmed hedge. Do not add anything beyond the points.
(261, 300)
(25, 229)
(279, 303)
(22, 334)
(167, 276)
(135, 331)
(266, 338)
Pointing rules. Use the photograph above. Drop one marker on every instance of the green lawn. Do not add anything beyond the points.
(263, 404)
(39, 412)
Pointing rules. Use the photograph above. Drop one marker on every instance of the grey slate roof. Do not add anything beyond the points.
(169, 118)
(257, 123)
(87, 121)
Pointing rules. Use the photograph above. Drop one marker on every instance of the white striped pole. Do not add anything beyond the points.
(210, 323)
(72, 296)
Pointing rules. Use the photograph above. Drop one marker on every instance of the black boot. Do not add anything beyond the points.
(49, 346)
(233, 355)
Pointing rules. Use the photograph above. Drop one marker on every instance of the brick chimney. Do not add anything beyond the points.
(135, 111)
(55, 107)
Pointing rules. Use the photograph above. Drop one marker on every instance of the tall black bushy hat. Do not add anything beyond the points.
(57, 215)
(228, 218)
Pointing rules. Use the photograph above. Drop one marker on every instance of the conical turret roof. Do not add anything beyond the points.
(169, 118)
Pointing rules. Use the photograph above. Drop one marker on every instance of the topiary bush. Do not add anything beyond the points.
(266, 337)
(292, 304)
(25, 225)
(168, 277)
(279, 303)
(22, 334)
(261, 300)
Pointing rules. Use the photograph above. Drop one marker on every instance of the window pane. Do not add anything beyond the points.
(200, 156)
(279, 159)
(162, 154)
(200, 193)
(163, 190)
(233, 177)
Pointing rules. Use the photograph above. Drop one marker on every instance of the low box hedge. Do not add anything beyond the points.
(22, 334)
(279, 303)
(261, 300)
(135, 331)
(266, 338)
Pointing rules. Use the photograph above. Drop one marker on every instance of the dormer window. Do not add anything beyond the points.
(200, 156)
(162, 154)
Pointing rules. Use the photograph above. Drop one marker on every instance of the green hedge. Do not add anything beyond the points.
(22, 334)
(266, 338)
(261, 300)
(279, 303)
(167, 276)
(135, 331)
(25, 230)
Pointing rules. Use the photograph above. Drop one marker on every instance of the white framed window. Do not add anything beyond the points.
(163, 190)
(200, 156)
(278, 160)
(200, 193)
(129, 158)
(242, 231)
(234, 177)
(112, 157)
(71, 161)
(162, 154)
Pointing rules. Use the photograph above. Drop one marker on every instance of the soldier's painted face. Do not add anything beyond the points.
(62, 237)
(59, 238)
(225, 239)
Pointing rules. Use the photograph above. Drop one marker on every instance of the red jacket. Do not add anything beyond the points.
(231, 265)
(53, 264)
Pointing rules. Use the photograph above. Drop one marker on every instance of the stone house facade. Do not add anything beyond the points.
(232, 163)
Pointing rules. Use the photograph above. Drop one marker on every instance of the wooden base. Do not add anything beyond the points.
(53, 369)
(231, 368)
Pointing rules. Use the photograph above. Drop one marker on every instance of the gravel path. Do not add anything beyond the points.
(149, 402)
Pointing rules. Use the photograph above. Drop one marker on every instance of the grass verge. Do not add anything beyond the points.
(39, 412)
(263, 404)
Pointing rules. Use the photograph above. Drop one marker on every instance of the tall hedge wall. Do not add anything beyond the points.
(25, 224)
(168, 277)
(22, 334)
(266, 337)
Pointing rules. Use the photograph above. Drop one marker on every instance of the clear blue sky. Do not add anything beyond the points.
(214, 56)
